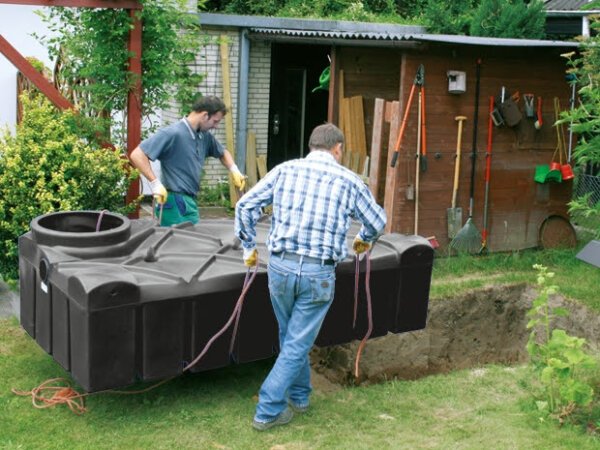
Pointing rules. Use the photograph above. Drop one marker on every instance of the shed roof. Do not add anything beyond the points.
(391, 37)
(568, 8)
(565, 5)
(350, 33)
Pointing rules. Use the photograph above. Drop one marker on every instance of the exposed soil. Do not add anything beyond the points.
(481, 327)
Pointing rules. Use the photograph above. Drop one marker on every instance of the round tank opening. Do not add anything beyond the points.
(81, 228)
(81, 222)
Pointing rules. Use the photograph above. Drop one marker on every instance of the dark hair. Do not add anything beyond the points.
(325, 137)
(210, 104)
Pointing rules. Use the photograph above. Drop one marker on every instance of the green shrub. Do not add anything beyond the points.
(214, 195)
(444, 17)
(47, 167)
(509, 19)
(560, 360)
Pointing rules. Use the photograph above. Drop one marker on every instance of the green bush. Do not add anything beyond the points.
(214, 195)
(560, 360)
(444, 17)
(509, 19)
(47, 167)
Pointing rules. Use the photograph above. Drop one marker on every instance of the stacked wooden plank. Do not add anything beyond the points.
(352, 123)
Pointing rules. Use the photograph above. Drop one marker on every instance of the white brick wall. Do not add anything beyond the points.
(208, 62)
(258, 93)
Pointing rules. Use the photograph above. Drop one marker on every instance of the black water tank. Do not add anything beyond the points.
(115, 301)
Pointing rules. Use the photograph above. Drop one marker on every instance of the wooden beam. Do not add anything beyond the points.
(391, 180)
(251, 159)
(33, 75)
(378, 117)
(109, 4)
(233, 195)
(261, 165)
(134, 99)
(332, 104)
(358, 122)
(340, 99)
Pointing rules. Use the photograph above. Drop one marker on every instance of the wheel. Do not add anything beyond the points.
(557, 232)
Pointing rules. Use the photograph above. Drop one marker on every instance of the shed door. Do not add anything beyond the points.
(294, 109)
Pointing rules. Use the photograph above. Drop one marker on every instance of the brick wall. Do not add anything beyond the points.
(258, 93)
(208, 62)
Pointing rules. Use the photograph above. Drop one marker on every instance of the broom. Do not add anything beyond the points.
(468, 238)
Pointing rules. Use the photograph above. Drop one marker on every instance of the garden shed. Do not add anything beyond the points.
(280, 90)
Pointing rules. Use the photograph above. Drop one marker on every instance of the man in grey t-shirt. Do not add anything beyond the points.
(182, 148)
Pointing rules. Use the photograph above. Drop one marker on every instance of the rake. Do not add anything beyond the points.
(468, 238)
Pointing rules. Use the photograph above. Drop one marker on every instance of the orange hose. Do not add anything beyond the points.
(47, 395)
(363, 342)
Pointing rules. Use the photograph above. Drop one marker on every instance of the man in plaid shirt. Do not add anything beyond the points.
(314, 200)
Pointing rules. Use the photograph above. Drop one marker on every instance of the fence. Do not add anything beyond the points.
(588, 184)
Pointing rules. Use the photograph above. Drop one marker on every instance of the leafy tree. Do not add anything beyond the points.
(92, 45)
(366, 10)
(263, 8)
(509, 19)
(445, 17)
(584, 71)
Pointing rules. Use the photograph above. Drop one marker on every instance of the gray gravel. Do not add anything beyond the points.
(9, 301)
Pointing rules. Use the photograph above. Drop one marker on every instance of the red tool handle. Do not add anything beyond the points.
(423, 133)
(402, 126)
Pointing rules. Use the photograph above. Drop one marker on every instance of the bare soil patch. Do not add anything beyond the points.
(481, 327)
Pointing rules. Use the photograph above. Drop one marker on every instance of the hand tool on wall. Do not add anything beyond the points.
(468, 238)
(538, 123)
(529, 107)
(423, 157)
(488, 166)
(418, 81)
(455, 214)
(571, 78)
(418, 163)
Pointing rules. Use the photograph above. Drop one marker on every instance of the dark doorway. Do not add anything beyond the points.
(294, 109)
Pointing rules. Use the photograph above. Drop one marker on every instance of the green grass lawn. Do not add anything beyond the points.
(488, 407)
(483, 408)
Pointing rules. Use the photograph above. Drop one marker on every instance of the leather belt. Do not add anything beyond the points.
(307, 259)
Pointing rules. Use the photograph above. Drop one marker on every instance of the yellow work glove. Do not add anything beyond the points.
(250, 257)
(239, 180)
(158, 191)
(359, 246)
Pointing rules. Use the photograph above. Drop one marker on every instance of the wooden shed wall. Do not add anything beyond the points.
(517, 204)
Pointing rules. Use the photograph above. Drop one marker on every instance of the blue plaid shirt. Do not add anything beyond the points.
(314, 200)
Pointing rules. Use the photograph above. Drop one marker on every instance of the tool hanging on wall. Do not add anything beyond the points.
(497, 117)
(538, 123)
(488, 170)
(418, 81)
(565, 168)
(423, 146)
(571, 78)
(468, 238)
(418, 161)
(453, 213)
(510, 109)
(528, 99)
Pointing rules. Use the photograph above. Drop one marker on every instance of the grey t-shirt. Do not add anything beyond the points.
(181, 152)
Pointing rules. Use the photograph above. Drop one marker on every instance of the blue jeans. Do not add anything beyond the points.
(301, 294)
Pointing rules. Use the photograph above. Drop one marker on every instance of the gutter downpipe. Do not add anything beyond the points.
(242, 109)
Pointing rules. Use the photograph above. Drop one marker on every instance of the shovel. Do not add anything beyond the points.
(454, 213)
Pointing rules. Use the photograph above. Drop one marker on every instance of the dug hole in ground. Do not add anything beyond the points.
(483, 326)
